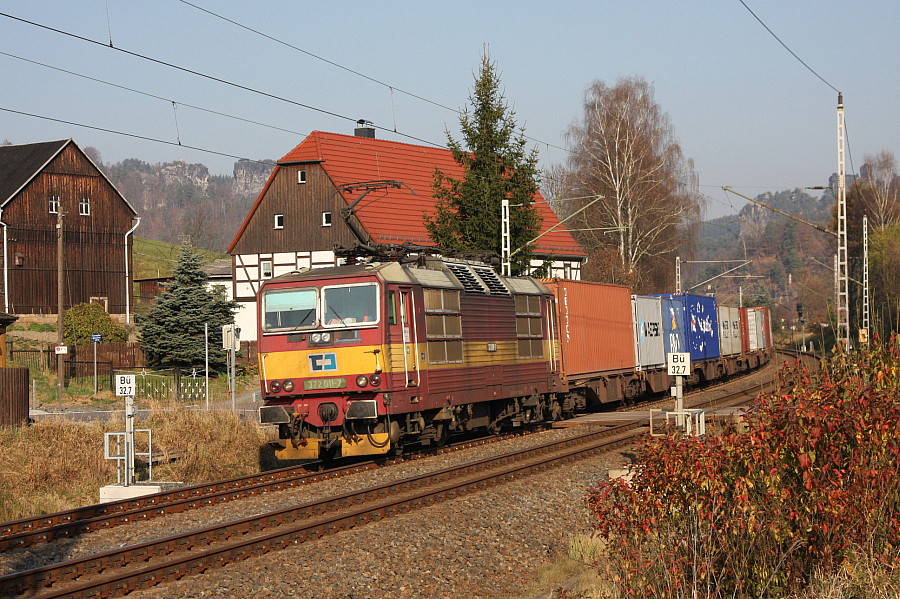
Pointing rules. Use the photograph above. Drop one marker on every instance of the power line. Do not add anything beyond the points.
(134, 135)
(809, 68)
(150, 95)
(390, 87)
(207, 76)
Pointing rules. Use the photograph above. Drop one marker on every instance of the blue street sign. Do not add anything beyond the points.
(96, 337)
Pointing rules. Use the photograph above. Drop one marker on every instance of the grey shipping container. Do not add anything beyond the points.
(649, 332)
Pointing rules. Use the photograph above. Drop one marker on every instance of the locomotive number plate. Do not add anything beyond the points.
(332, 383)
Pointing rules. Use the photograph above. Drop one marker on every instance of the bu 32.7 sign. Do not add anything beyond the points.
(125, 386)
(679, 364)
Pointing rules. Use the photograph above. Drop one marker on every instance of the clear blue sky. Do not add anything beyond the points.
(746, 111)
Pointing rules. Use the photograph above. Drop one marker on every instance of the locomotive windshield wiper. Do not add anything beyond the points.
(341, 318)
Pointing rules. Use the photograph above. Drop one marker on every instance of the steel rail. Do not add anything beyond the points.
(26, 532)
(120, 571)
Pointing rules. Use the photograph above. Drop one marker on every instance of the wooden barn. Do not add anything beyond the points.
(302, 212)
(46, 184)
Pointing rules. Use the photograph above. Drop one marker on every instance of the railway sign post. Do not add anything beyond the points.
(95, 339)
(125, 386)
(679, 366)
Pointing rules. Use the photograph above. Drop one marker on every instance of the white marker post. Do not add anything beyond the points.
(679, 366)
(95, 339)
(125, 387)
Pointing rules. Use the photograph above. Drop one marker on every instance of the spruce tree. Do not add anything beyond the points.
(172, 332)
(496, 165)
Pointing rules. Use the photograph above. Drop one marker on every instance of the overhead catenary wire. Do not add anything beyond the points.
(390, 87)
(151, 95)
(210, 77)
(134, 135)
(794, 54)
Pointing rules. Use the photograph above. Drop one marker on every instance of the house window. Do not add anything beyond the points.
(279, 221)
(301, 176)
(326, 219)
(265, 268)
(54, 204)
(84, 206)
(103, 301)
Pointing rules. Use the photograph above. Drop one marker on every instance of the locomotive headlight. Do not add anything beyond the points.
(316, 337)
(362, 380)
(326, 337)
(288, 386)
(275, 386)
(375, 380)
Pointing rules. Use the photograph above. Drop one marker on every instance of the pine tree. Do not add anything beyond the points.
(172, 332)
(496, 165)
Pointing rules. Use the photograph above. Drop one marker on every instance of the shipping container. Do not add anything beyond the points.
(729, 330)
(595, 328)
(701, 326)
(755, 327)
(649, 345)
(673, 324)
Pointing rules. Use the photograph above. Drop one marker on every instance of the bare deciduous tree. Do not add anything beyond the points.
(881, 188)
(625, 150)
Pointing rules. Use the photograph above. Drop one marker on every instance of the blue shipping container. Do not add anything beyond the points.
(673, 324)
(701, 325)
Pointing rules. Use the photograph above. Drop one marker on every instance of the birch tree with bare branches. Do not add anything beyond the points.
(881, 189)
(627, 164)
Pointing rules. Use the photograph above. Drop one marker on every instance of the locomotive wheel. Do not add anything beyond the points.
(442, 433)
(396, 439)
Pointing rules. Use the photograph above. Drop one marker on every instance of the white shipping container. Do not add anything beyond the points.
(729, 330)
(753, 329)
(649, 342)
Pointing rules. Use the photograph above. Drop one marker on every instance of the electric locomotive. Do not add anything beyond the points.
(361, 359)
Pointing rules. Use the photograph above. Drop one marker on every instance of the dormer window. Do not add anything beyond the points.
(301, 176)
(54, 204)
(84, 206)
(279, 221)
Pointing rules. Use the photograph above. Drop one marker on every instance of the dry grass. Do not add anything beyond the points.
(58, 464)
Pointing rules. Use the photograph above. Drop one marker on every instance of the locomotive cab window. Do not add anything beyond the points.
(289, 310)
(345, 305)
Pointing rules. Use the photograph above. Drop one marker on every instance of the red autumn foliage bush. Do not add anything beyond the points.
(754, 514)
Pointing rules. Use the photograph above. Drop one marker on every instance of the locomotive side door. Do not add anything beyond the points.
(406, 330)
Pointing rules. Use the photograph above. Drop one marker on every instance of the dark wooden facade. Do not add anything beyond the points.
(96, 219)
(303, 206)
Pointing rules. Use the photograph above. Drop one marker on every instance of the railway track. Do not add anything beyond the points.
(117, 572)
(72, 523)
(22, 533)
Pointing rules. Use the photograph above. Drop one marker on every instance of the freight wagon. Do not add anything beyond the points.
(364, 358)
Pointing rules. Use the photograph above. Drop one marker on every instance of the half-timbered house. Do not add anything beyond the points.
(343, 190)
(48, 186)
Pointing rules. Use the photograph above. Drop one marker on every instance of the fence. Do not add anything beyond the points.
(84, 371)
(13, 396)
(39, 359)
(165, 384)
(123, 355)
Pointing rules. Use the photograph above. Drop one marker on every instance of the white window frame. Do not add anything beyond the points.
(54, 204)
(301, 176)
(279, 221)
(266, 269)
(84, 206)
(326, 219)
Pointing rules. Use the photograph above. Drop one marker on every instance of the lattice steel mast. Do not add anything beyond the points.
(843, 299)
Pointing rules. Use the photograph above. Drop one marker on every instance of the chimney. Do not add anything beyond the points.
(364, 128)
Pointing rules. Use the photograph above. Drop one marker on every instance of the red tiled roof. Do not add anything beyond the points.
(396, 215)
